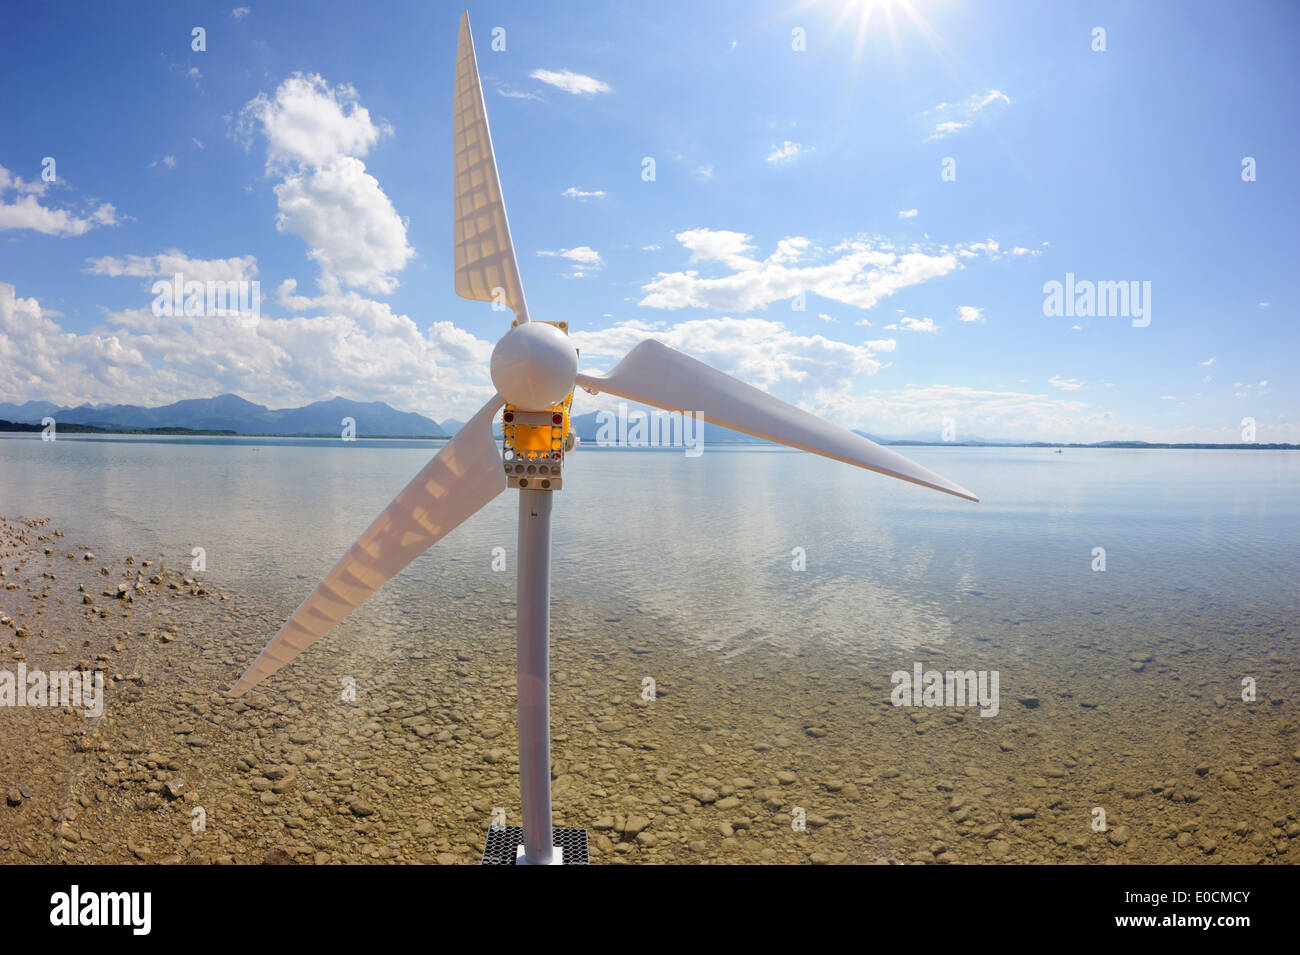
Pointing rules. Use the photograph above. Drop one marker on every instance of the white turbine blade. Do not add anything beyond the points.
(654, 374)
(464, 476)
(485, 256)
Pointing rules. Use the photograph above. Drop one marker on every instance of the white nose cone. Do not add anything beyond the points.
(533, 366)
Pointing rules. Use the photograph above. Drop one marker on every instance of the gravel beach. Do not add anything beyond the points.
(405, 752)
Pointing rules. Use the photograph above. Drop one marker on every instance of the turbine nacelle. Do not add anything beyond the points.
(533, 366)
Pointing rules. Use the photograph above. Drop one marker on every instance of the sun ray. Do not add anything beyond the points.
(857, 16)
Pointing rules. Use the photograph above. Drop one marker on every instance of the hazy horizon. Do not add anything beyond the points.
(603, 414)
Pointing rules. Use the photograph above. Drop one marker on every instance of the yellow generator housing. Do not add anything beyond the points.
(534, 442)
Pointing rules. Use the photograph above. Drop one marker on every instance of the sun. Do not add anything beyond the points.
(859, 16)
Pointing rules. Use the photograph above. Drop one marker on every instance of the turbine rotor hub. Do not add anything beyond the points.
(533, 366)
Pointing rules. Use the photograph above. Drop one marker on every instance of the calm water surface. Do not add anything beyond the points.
(1194, 540)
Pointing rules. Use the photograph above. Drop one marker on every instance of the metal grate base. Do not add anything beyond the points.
(503, 844)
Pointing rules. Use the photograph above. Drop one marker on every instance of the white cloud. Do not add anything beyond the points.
(36, 353)
(315, 134)
(762, 352)
(719, 245)
(573, 192)
(347, 344)
(943, 129)
(790, 249)
(570, 82)
(855, 272)
(583, 259)
(26, 211)
(913, 325)
(957, 116)
(704, 173)
(1065, 384)
(239, 13)
(342, 344)
(825, 318)
(907, 213)
(350, 225)
(166, 264)
(307, 121)
(788, 152)
(1208, 362)
(192, 73)
(509, 92)
(993, 96)
(989, 247)
(969, 313)
(651, 248)
(1264, 383)
(584, 255)
(21, 186)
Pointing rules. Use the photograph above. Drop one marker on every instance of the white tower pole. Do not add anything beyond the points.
(533, 661)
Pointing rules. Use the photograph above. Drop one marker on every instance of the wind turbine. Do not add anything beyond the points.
(534, 369)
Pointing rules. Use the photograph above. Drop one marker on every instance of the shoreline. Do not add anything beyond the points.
(92, 431)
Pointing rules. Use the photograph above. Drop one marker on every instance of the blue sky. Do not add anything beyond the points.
(309, 148)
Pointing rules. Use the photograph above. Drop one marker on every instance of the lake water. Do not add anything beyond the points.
(708, 542)
(682, 568)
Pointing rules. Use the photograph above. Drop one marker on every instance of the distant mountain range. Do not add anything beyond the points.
(233, 413)
(934, 437)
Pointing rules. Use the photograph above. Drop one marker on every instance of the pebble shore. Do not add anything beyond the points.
(390, 750)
